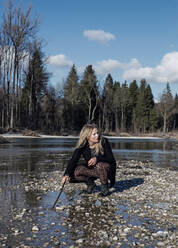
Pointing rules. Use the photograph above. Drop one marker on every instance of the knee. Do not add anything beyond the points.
(103, 166)
(78, 170)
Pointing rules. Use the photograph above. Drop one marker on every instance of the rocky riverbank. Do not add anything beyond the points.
(141, 211)
(38, 134)
(3, 140)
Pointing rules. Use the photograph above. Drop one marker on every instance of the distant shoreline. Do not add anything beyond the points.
(76, 137)
(121, 135)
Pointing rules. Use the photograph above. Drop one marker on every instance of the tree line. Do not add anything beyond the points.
(28, 101)
(117, 107)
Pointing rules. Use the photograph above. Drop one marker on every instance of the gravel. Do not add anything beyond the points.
(141, 211)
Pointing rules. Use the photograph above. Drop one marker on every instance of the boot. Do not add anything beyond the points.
(104, 190)
(112, 183)
(90, 186)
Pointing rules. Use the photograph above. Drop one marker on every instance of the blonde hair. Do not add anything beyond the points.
(85, 134)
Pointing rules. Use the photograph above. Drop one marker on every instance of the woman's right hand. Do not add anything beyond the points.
(65, 179)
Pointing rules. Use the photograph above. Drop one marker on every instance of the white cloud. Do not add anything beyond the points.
(60, 60)
(98, 35)
(106, 66)
(167, 71)
(109, 65)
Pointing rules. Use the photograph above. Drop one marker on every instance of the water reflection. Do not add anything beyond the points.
(53, 154)
(25, 157)
(29, 158)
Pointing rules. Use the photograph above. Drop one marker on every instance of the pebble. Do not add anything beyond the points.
(79, 241)
(35, 229)
(161, 244)
(60, 208)
(140, 211)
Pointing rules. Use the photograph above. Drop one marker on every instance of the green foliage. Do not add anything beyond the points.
(107, 103)
(133, 95)
(35, 87)
(89, 95)
(71, 99)
(71, 87)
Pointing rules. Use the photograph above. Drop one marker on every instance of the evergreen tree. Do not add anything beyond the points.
(71, 87)
(117, 105)
(176, 112)
(141, 107)
(35, 86)
(133, 95)
(89, 95)
(48, 108)
(124, 105)
(107, 103)
(150, 121)
(71, 99)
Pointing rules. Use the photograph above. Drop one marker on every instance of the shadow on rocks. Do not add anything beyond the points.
(120, 186)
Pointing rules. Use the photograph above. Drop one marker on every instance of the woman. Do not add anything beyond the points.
(100, 162)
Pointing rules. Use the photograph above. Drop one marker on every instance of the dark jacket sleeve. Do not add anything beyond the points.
(108, 154)
(73, 162)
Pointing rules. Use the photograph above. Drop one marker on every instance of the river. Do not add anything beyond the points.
(41, 154)
(28, 158)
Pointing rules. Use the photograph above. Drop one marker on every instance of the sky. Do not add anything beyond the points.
(130, 39)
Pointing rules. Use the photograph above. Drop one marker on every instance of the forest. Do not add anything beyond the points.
(29, 101)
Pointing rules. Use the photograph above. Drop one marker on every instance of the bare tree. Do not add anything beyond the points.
(166, 106)
(18, 28)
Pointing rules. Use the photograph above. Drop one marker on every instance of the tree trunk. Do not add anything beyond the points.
(164, 126)
(116, 121)
(13, 89)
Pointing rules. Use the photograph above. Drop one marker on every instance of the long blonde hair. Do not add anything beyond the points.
(85, 134)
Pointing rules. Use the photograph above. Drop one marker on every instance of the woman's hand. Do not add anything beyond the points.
(92, 161)
(65, 179)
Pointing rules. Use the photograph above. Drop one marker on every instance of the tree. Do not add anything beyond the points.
(150, 114)
(133, 95)
(124, 105)
(176, 112)
(48, 108)
(166, 106)
(107, 103)
(71, 87)
(117, 105)
(35, 84)
(89, 95)
(18, 29)
(71, 98)
(141, 107)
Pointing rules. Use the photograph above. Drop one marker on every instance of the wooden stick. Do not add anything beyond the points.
(58, 195)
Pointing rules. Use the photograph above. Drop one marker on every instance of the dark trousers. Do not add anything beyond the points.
(100, 170)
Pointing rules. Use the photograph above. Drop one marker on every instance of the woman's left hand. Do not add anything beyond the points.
(92, 161)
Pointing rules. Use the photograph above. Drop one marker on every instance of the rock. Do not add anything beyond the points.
(80, 241)
(3, 140)
(60, 208)
(30, 133)
(162, 234)
(35, 229)
(161, 244)
(140, 212)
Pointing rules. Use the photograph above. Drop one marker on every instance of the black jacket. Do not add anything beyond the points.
(86, 153)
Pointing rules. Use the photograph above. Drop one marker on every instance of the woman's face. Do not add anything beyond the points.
(94, 137)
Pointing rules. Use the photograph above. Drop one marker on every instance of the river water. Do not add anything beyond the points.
(32, 156)
(29, 157)
(41, 154)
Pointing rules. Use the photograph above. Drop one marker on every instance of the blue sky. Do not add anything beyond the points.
(131, 39)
